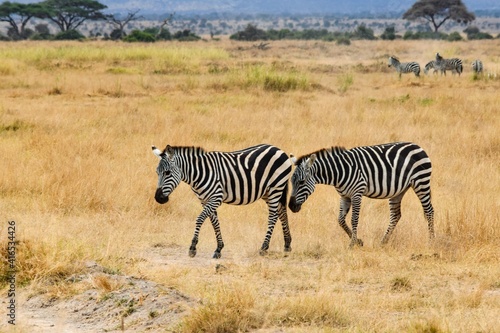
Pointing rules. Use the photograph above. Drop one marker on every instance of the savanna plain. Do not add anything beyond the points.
(77, 121)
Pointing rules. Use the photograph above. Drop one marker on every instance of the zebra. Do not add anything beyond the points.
(237, 178)
(453, 64)
(405, 67)
(477, 66)
(430, 65)
(383, 171)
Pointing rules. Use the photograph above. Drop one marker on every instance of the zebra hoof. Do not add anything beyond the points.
(358, 242)
(216, 255)
(263, 252)
(288, 249)
(192, 253)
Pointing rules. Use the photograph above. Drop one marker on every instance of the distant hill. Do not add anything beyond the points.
(276, 6)
(322, 7)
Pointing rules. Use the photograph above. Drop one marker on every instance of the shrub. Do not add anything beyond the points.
(454, 36)
(140, 36)
(343, 41)
(251, 33)
(69, 35)
(389, 33)
(362, 32)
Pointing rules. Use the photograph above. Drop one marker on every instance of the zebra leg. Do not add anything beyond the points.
(423, 193)
(208, 209)
(395, 207)
(220, 244)
(345, 206)
(273, 217)
(284, 223)
(356, 206)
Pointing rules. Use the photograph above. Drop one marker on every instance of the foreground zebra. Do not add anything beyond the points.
(453, 64)
(382, 172)
(477, 66)
(405, 67)
(238, 178)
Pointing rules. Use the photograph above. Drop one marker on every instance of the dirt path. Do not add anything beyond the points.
(131, 304)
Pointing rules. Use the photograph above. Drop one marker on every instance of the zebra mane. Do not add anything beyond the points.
(395, 58)
(333, 151)
(189, 149)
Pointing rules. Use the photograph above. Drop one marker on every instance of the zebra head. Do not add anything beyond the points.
(169, 174)
(392, 61)
(428, 66)
(303, 183)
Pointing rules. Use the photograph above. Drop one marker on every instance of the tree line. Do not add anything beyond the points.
(69, 15)
(252, 33)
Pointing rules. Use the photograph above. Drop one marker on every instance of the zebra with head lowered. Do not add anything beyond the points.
(404, 67)
(453, 64)
(237, 178)
(477, 66)
(430, 65)
(384, 171)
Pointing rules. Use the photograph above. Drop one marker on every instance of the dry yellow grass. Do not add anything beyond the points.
(77, 121)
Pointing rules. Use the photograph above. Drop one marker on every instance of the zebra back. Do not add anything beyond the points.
(386, 170)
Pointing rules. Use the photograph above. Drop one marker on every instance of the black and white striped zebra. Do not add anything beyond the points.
(477, 66)
(404, 67)
(237, 178)
(384, 171)
(430, 65)
(453, 64)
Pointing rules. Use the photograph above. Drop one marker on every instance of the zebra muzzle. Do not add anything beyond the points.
(293, 205)
(159, 197)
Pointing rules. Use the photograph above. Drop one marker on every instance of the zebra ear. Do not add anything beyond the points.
(293, 159)
(310, 160)
(156, 151)
(169, 151)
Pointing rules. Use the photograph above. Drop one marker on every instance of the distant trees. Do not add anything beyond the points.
(120, 23)
(17, 15)
(70, 14)
(437, 12)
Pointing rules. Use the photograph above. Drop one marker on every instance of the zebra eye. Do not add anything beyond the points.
(302, 182)
(166, 173)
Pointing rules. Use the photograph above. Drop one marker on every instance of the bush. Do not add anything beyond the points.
(69, 35)
(251, 33)
(454, 36)
(140, 36)
(343, 41)
(389, 33)
(480, 35)
(362, 32)
(186, 36)
(410, 35)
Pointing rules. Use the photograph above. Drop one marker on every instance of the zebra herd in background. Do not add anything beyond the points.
(440, 64)
(262, 172)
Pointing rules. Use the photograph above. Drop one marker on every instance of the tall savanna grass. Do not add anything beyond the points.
(77, 121)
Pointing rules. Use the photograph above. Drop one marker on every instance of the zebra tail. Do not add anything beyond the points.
(283, 199)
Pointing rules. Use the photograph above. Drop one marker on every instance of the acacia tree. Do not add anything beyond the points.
(70, 14)
(17, 15)
(437, 12)
(120, 23)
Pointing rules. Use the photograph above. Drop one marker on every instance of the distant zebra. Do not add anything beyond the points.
(384, 171)
(405, 67)
(477, 66)
(237, 178)
(453, 64)
(430, 65)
